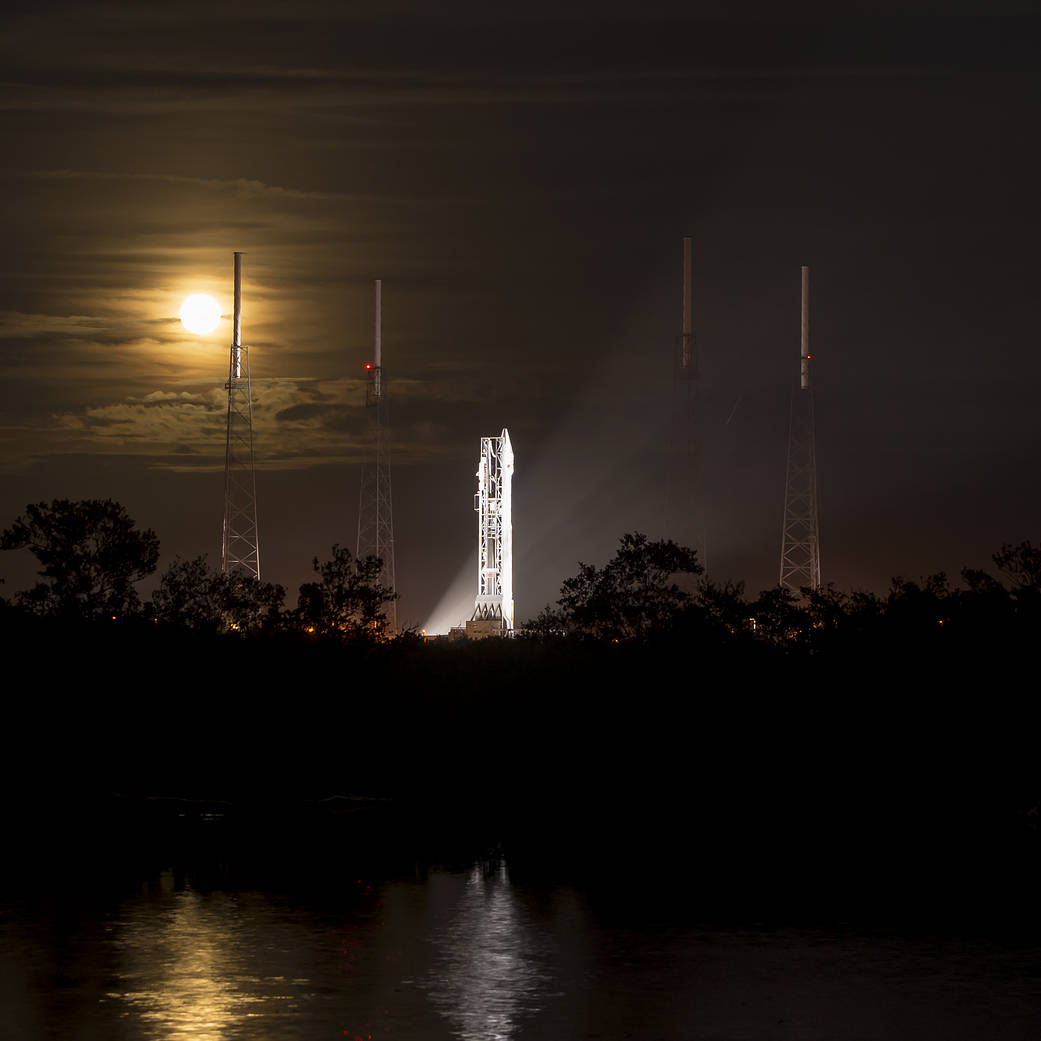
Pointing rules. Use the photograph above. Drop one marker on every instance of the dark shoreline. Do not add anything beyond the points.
(832, 786)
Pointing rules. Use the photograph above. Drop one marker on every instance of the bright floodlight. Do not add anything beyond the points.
(200, 313)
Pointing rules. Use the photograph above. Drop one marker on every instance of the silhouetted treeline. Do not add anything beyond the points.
(827, 740)
(91, 556)
(651, 594)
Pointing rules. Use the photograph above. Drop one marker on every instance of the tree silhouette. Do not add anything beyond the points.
(1013, 598)
(349, 600)
(1021, 566)
(249, 605)
(187, 596)
(634, 597)
(192, 595)
(919, 610)
(837, 619)
(723, 608)
(91, 555)
(779, 616)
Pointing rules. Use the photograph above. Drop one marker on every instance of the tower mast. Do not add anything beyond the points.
(240, 540)
(375, 505)
(800, 537)
(687, 367)
(685, 485)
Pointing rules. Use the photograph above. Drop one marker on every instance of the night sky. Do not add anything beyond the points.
(521, 181)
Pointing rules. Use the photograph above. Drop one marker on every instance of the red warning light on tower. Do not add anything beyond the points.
(368, 365)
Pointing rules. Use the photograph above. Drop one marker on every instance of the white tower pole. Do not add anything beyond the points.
(377, 374)
(804, 354)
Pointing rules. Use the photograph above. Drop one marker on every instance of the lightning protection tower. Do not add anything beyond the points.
(493, 607)
(685, 520)
(800, 537)
(687, 370)
(240, 542)
(375, 506)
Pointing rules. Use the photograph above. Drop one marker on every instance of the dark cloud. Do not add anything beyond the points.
(334, 417)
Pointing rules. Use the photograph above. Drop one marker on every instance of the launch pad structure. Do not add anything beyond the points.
(800, 531)
(493, 606)
(240, 538)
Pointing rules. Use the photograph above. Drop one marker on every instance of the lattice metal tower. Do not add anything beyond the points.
(240, 540)
(685, 481)
(494, 505)
(800, 534)
(375, 504)
(687, 370)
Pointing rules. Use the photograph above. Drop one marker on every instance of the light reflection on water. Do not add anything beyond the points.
(490, 966)
(202, 966)
(472, 956)
(191, 972)
(459, 948)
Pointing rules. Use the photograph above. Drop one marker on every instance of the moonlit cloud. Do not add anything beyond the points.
(15, 325)
(297, 424)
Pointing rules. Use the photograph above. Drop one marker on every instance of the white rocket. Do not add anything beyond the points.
(494, 505)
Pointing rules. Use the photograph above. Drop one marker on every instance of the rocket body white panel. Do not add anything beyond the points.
(494, 505)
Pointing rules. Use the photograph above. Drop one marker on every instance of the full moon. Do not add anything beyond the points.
(200, 313)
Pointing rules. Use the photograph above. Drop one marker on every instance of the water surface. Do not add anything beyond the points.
(470, 954)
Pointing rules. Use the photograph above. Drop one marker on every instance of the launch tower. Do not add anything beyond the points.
(375, 505)
(493, 607)
(240, 540)
(800, 538)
